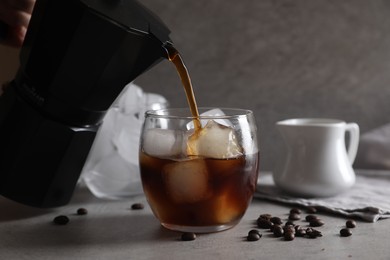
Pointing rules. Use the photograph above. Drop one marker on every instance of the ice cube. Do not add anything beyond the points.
(214, 141)
(162, 142)
(187, 181)
(225, 210)
(211, 112)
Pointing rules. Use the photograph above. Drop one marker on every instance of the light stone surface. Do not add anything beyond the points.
(282, 59)
(111, 230)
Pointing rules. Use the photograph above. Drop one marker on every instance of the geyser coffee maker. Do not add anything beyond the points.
(77, 57)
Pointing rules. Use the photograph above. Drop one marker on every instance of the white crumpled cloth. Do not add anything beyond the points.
(374, 149)
(368, 199)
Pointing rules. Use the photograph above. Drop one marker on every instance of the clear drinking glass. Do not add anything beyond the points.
(199, 180)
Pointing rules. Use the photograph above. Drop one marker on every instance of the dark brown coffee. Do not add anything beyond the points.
(229, 186)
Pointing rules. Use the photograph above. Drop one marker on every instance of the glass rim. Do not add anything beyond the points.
(233, 113)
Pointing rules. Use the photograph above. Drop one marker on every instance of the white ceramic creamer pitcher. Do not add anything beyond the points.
(318, 163)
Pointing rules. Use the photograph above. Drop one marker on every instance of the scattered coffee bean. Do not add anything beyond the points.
(278, 231)
(273, 226)
(311, 210)
(264, 223)
(295, 211)
(82, 211)
(255, 231)
(266, 216)
(300, 232)
(61, 220)
(296, 227)
(276, 220)
(294, 216)
(313, 233)
(253, 236)
(137, 206)
(316, 223)
(289, 228)
(345, 232)
(310, 218)
(289, 236)
(350, 223)
(289, 223)
(188, 236)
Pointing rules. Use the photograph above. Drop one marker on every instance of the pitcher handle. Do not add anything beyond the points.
(352, 148)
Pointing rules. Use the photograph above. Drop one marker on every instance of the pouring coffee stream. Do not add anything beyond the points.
(175, 57)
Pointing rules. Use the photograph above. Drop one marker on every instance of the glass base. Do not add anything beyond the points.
(199, 229)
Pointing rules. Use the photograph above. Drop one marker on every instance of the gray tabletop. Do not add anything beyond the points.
(112, 230)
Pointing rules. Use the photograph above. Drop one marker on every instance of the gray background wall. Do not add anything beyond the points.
(282, 59)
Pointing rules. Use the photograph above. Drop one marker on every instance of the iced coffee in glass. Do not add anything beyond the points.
(199, 173)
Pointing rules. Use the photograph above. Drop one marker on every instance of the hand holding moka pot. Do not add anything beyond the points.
(77, 57)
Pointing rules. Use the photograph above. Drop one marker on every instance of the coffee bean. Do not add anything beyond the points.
(294, 216)
(295, 211)
(311, 217)
(276, 220)
(188, 236)
(289, 228)
(313, 233)
(345, 232)
(297, 227)
(300, 232)
(278, 231)
(253, 236)
(271, 228)
(255, 231)
(289, 223)
(316, 223)
(137, 206)
(311, 210)
(289, 236)
(350, 223)
(82, 211)
(264, 223)
(266, 216)
(61, 220)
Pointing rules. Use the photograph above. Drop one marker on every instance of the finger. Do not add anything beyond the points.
(15, 18)
(21, 5)
(15, 36)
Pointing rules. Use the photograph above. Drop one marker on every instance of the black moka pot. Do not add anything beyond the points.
(77, 57)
